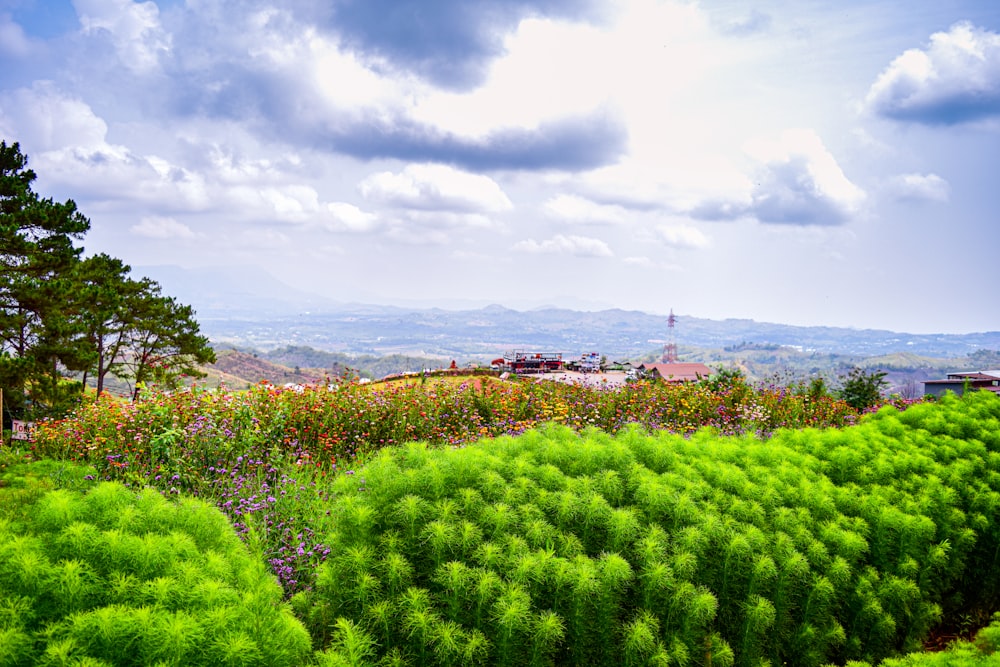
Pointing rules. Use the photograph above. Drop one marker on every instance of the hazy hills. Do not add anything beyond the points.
(254, 311)
(240, 368)
(486, 333)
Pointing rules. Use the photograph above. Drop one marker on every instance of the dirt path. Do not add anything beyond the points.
(610, 379)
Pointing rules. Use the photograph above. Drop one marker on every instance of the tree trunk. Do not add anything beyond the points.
(100, 372)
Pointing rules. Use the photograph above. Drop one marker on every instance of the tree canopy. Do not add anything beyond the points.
(66, 318)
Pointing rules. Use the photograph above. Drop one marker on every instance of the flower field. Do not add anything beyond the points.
(261, 455)
(524, 523)
(331, 426)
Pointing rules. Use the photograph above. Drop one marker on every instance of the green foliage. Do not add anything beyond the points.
(164, 342)
(110, 320)
(38, 331)
(988, 639)
(981, 652)
(587, 549)
(61, 315)
(118, 578)
(862, 389)
(725, 378)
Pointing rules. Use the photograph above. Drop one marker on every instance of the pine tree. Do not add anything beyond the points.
(38, 332)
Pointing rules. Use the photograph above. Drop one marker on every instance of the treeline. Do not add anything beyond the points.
(63, 314)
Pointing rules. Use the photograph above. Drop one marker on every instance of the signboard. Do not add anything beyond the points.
(21, 430)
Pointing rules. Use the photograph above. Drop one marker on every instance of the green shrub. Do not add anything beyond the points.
(862, 389)
(556, 547)
(113, 577)
(980, 653)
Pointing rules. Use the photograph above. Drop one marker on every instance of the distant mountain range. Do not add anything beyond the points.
(253, 309)
(905, 373)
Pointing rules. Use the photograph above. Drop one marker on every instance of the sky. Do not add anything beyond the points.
(812, 163)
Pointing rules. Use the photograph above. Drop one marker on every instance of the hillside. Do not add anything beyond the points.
(905, 372)
(238, 369)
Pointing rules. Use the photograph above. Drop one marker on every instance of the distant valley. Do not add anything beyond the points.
(262, 318)
(487, 332)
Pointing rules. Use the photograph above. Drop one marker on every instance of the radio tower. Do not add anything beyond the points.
(670, 349)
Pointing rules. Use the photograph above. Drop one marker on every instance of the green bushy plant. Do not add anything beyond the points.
(651, 548)
(114, 577)
(984, 651)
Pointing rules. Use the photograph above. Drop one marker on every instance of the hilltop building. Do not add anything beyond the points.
(676, 372)
(957, 382)
(590, 362)
(519, 361)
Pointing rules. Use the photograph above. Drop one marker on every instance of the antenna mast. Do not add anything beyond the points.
(670, 349)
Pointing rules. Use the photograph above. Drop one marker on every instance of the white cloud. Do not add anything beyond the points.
(134, 28)
(525, 74)
(919, 187)
(800, 182)
(67, 144)
(162, 228)
(755, 21)
(795, 180)
(579, 246)
(44, 118)
(413, 227)
(350, 218)
(676, 185)
(955, 79)
(435, 186)
(13, 41)
(589, 66)
(683, 236)
(578, 210)
(345, 82)
(112, 173)
(227, 166)
(290, 202)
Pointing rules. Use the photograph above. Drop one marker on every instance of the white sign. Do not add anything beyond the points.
(21, 430)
